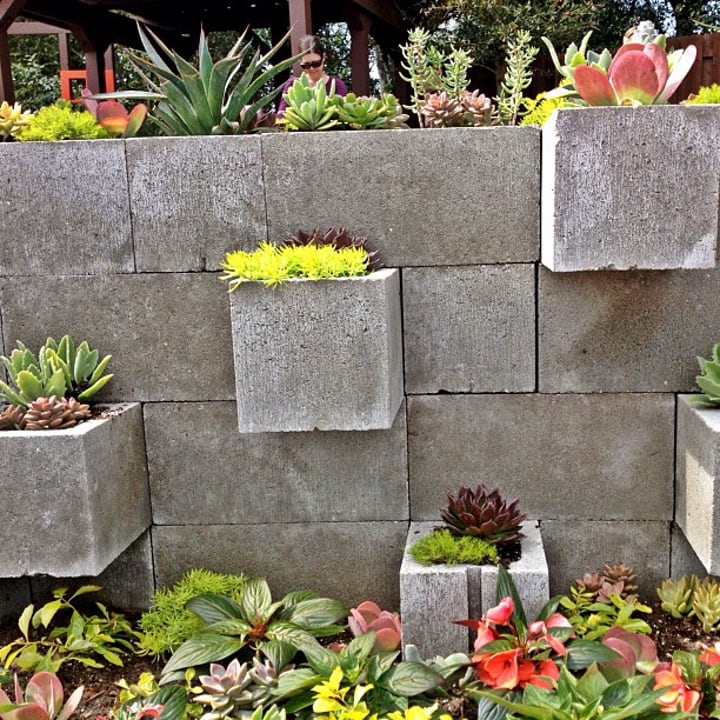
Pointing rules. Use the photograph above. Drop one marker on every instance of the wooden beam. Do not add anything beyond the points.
(388, 12)
(9, 10)
(300, 22)
(26, 27)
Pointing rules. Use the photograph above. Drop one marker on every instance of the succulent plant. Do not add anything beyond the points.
(368, 617)
(636, 652)
(309, 107)
(441, 110)
(42, 700)
(370, 113)
(12, 118)
(114, 117)
(12, 417)
(706, 604)
(709, 379)
(483, 513)
(676, 596)
(338, 238)
(55, 413)
(620, 573)
(82, 367)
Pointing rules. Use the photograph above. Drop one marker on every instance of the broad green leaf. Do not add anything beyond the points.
(47, 612)
(523, 709)
(256, 599)
(290, 633)
(100, 369)
(24, 620)
(317, 612)
(583, 653)
(293, 682)
(212, 608)
(95, 387)
(279, 652)
(201, 649)
(233, 626)
(506, 588)
(29, 385)
(410, 679)
(321, 660)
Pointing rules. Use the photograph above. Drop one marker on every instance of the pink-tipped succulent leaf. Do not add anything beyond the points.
(368, 617)
(593, 86)
(638, 73)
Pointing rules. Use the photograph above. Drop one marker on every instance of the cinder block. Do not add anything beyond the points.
(318, 354)
(169, 334)
(469, 329)
(65, 208)
(194, 198)
(575, 547)
(553, 451)
(624, 332)
(683, 559)
(350, 561)
(75, 499)
(432, 596)
(269, 477)
(445, 196)
(14, 598)
(608, 199)
(697, 505)
(127, 583)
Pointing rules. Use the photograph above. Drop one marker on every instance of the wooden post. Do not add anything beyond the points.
(300, 22)
(9, 10)
(359, 23)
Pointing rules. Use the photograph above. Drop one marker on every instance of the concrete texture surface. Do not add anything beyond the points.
(269, 477)
(65, 208)
(553, 451)
(608, 199)
(624, 332)
(683, 559)
(697, 504)
(318, 354)
(469, 329)
(194, 198)
(574, 547)
(75, 499)
(388, 185)
(169, 334)
(350, 561)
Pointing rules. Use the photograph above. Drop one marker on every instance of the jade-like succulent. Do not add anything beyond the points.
(676, 596)
(370, 113)
(706, 604)
(309, 107)
(483, 513)
(709, 379)
(12, 118)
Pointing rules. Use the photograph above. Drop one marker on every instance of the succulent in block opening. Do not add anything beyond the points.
(55, 413)
(709, 379)
(484, 513)
(338, 238)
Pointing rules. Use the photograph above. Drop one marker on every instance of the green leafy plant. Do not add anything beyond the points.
(215, 98)
(166, 703)
(12, 119)
(369, 113)
(441, 546)
(518, 75)
(309, 107)
(87, 639)
(709, 379)
(61, 121)
(273, 265)
(485, 514)
(706, 95)
(42, 700)
(275, 629)
(167, 623)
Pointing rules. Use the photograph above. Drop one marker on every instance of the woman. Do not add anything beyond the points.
(312, 64)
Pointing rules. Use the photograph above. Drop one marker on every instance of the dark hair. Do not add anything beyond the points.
(310, 44)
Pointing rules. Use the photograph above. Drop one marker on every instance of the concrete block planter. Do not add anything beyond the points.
(318, 355)
(432, 596)
(697, 501)
(73, 500)
(630, 188)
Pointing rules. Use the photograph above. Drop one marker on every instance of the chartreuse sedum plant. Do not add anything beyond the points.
(337, 237)
(12, 119)
(706, 95)
(47, 390)
(518, 75)
(709, 379)
(309, 107)
(60, 631)
(61, 121)
(168, 623)
(223, 97)
(442, 547)
(42, 699)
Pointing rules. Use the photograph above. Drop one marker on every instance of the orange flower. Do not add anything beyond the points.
(678, 697)
(499, 670)
(711, 655)
(501, 614)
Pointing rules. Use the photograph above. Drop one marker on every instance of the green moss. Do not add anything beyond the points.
(62, 122)
(273, 265)
(167, 624)
(706, 95)
(441, 546)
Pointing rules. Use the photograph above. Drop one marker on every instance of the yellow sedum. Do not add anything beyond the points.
(273, 265)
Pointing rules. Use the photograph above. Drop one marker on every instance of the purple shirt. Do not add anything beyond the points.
(340, 89)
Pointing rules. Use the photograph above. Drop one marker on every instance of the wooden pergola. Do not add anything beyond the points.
(99, 24)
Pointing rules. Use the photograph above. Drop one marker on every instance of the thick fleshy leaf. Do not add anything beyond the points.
(680, 69)
(45, 689)
(634, 77)
(135, 119)
(593, 86)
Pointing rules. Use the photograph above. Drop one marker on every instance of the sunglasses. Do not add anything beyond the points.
(314, 64)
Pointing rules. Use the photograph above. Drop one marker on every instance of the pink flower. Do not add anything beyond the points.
(711, 655)
(485, 635)
(501, 614)
(539, 629)
(678, 697)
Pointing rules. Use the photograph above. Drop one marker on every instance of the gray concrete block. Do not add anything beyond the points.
(67, 209)
(350, 561)
(469, 329)
(127, 583)
(169, 334)
(553, 451)
(14, 598)
(609, 200)
(446, 196)
(683, 559)
(194, 198)
(75, 499)
(575, 547)
(624, 332)
(318, 354)
(287, 477)
(432, 596)
(697, 504)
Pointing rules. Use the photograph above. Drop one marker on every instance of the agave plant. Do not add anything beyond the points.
(483, 513)
(42, 700)
(214, 98)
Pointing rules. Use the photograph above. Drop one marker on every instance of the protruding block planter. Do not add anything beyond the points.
(73, 500)
(432, 596)
(318, 354)
(697, 489)
(630, 188)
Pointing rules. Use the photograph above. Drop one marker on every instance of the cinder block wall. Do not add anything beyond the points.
(559, 388)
